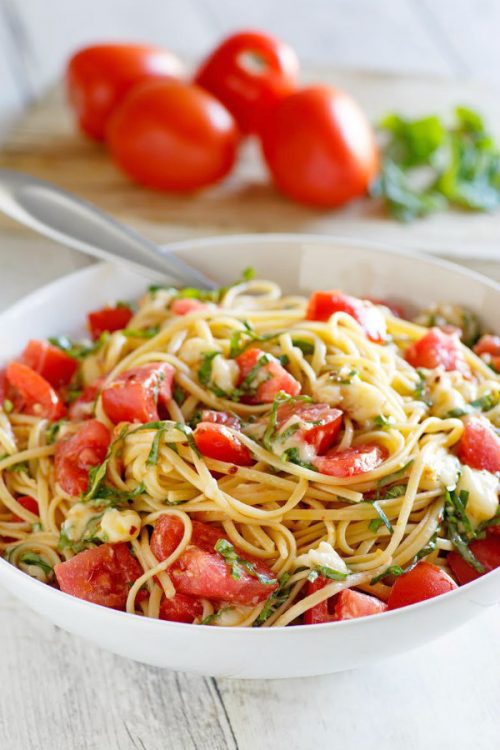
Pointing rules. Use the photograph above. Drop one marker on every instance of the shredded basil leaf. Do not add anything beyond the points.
(141, 333)
(238, 564)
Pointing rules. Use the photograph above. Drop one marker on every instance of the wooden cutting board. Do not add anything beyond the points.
(46, 144)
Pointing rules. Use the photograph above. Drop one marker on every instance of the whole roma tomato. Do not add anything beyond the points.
(249, 72)
(320, 147)
(172, 136)
(98, 77)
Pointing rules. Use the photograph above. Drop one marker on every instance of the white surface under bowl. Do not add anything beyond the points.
(299, 263)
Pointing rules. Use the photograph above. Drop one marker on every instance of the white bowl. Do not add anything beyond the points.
(299, 263)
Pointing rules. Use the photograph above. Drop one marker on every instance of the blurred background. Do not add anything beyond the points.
(432, 37)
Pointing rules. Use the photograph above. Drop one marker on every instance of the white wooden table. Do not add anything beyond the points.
(59, 693)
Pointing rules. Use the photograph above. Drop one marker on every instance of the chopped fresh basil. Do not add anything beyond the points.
(385, 423)
(30, 558)
(141, 333)
(458, 526)
(76, 349)
(205, 371)
(292, 455)
(21, 466)
(306, 347)
(210, 619)
(393, 570)
(53, 430)
(178, 395)
(382, 517)
(238, 564)
(428, 166)
(8, 406)
(276, 599)
(326, 572)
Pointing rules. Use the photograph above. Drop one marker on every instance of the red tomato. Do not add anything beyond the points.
(438, 349)
(169, 530)
(38, 396)
(98, 78)
(102, 575)
(322, 305)
(200, 571)
(351, 604)
(135, 394)
(269, 380)
(479, 446)
(323, 423)
(320, 612)
(205, 574)
(50, 362)
(172, 136)
(320, 147)
(216, 441)
(424, 581)
(186, 305)
(83, 406)
(486, 551)
(352, 461)
(30, 504)
(107, 320)
(78, 453)
(221, 417)
(346, 605)
(181, 608)
(249, 72)
(488, 347)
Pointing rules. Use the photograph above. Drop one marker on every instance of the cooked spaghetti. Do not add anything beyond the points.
(249, 458)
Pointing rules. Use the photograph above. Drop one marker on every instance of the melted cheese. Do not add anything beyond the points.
(225, 373)
(120, 525)
(442, 469)
(482, 487)
(323, 556)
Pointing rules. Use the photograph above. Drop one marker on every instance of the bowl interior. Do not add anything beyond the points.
(299, 264)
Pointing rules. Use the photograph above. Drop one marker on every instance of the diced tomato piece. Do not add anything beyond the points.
(135, 394)
(438, 349)
(169, 530)
(346, 605)
(108, 319)
(322, 423)
(424, 581)
(182, 608)
(488, 344)
(488, 347)
(322, 305)
(76, 454)
(320, 612)
(395, 309)
(216, 441)
(351, 604)
(3, 385)
(102, 575)
(205, 574)
(487, 553)
(186, 305)
(221, 417)
(166, 536)
(479, 446)
(200, 571)
(269, 379)
(83, 406)
(352, 461)
(29, 503)
(38, 396)
(51, 363)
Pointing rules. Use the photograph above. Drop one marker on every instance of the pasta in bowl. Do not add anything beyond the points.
(250, 458)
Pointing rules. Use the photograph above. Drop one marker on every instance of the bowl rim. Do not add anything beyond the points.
(228, 240)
